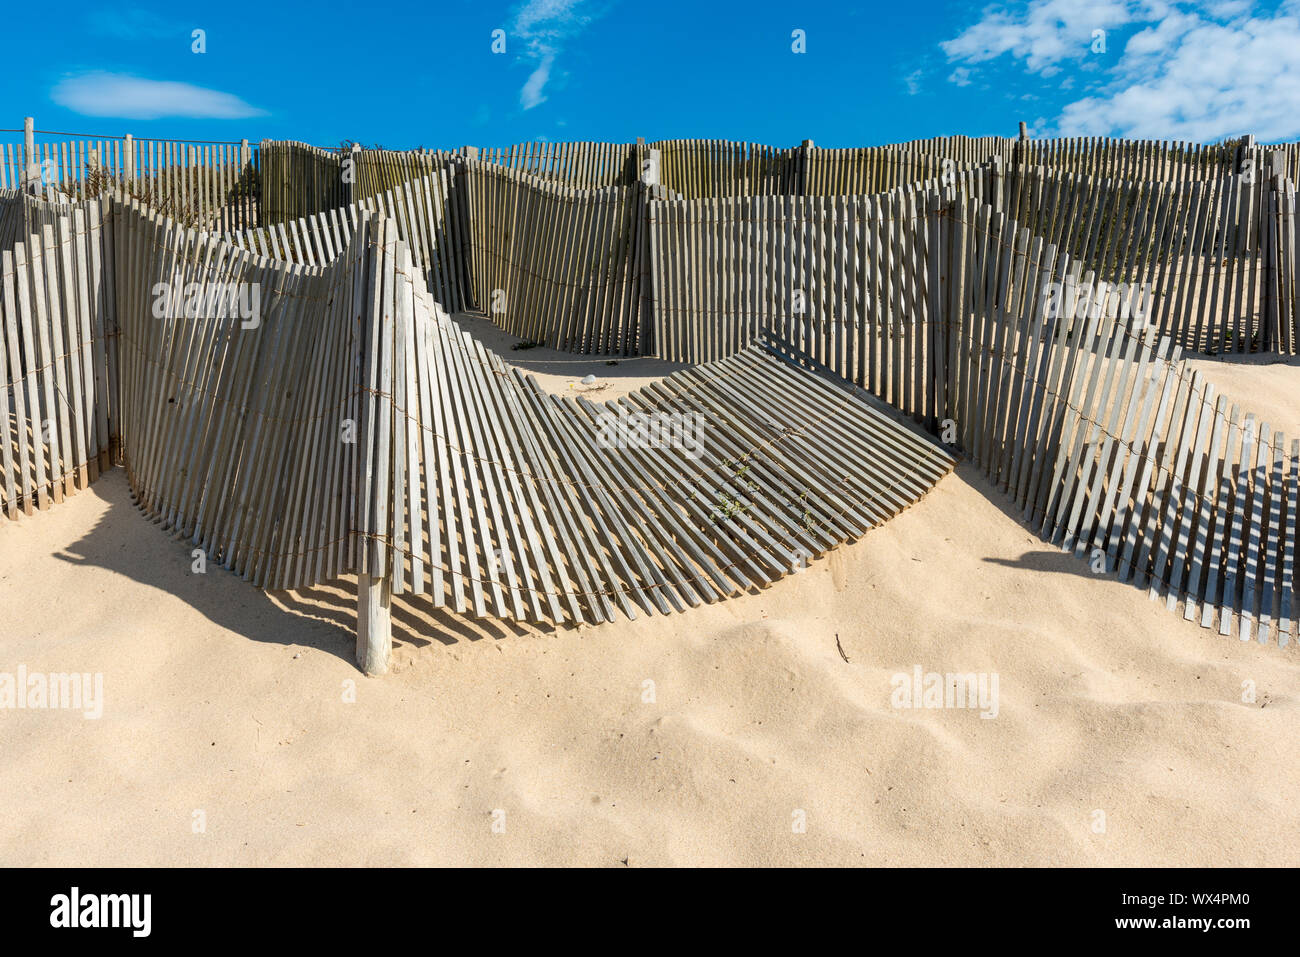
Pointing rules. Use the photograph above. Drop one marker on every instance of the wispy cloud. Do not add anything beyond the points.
(1044, 32)
(1197, 71)
(531, 93)
(134, 24)
(545, 26)
(1203, 82)
(129, 97)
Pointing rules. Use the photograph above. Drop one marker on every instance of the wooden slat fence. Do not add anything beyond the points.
(577, 164)
(377, 172)
(845, 279)
(241, 395)
(554, 264)
(211, 185)
(299, 180)
(428, 216)
(707, 169)
(1199, 250)
(353, 427)
(1109, 443)
(510, 502)
(1150, 160)
(962, 150)
(869, 170)
(58, 414)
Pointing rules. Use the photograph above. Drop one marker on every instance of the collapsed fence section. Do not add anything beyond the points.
(495, 498)
(1060, 385)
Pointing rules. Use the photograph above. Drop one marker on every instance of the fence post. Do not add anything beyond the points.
(1019, 158)
(996, 178)
(648, 190)
(128, 160)
(250, 180)
(350, 192)
(374, 623)
(31, 169)
(805, 152)
(1279, 323)
(936, 328)
(650, 169)
(1244, 150)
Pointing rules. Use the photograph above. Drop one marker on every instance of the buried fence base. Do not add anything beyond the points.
(374, 624)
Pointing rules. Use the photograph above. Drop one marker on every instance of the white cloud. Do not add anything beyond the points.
(539, 17)
(1225, 9)
(531, 93)
(960, 76)
(130, 97)
(1217, 80)
(545, 26)
(1197, 72)
(1157, 39)
(1045, 31)
(913, 82)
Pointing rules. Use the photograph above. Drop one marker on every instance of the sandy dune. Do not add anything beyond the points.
(1266, 385)
(563, 372)
(229, 701)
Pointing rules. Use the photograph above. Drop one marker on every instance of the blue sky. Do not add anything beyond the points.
(405, 75)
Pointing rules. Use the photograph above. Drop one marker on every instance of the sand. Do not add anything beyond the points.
(221, 699)
(236, 729)
(1266, 385)
(563, 372)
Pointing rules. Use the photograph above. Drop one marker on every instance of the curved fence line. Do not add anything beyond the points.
(1048, 376)
(58, 368)
(297, 422)
(426, 211)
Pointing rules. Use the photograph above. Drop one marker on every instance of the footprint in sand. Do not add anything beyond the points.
(839, 573)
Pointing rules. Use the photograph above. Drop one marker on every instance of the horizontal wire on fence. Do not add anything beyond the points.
(1180, 370)
(748, 558)
(686, 481)
(817, 221)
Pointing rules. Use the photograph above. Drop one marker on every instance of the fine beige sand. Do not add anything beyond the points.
(562, 372)
(222, 699)
(228, 701)
(1266, 385)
